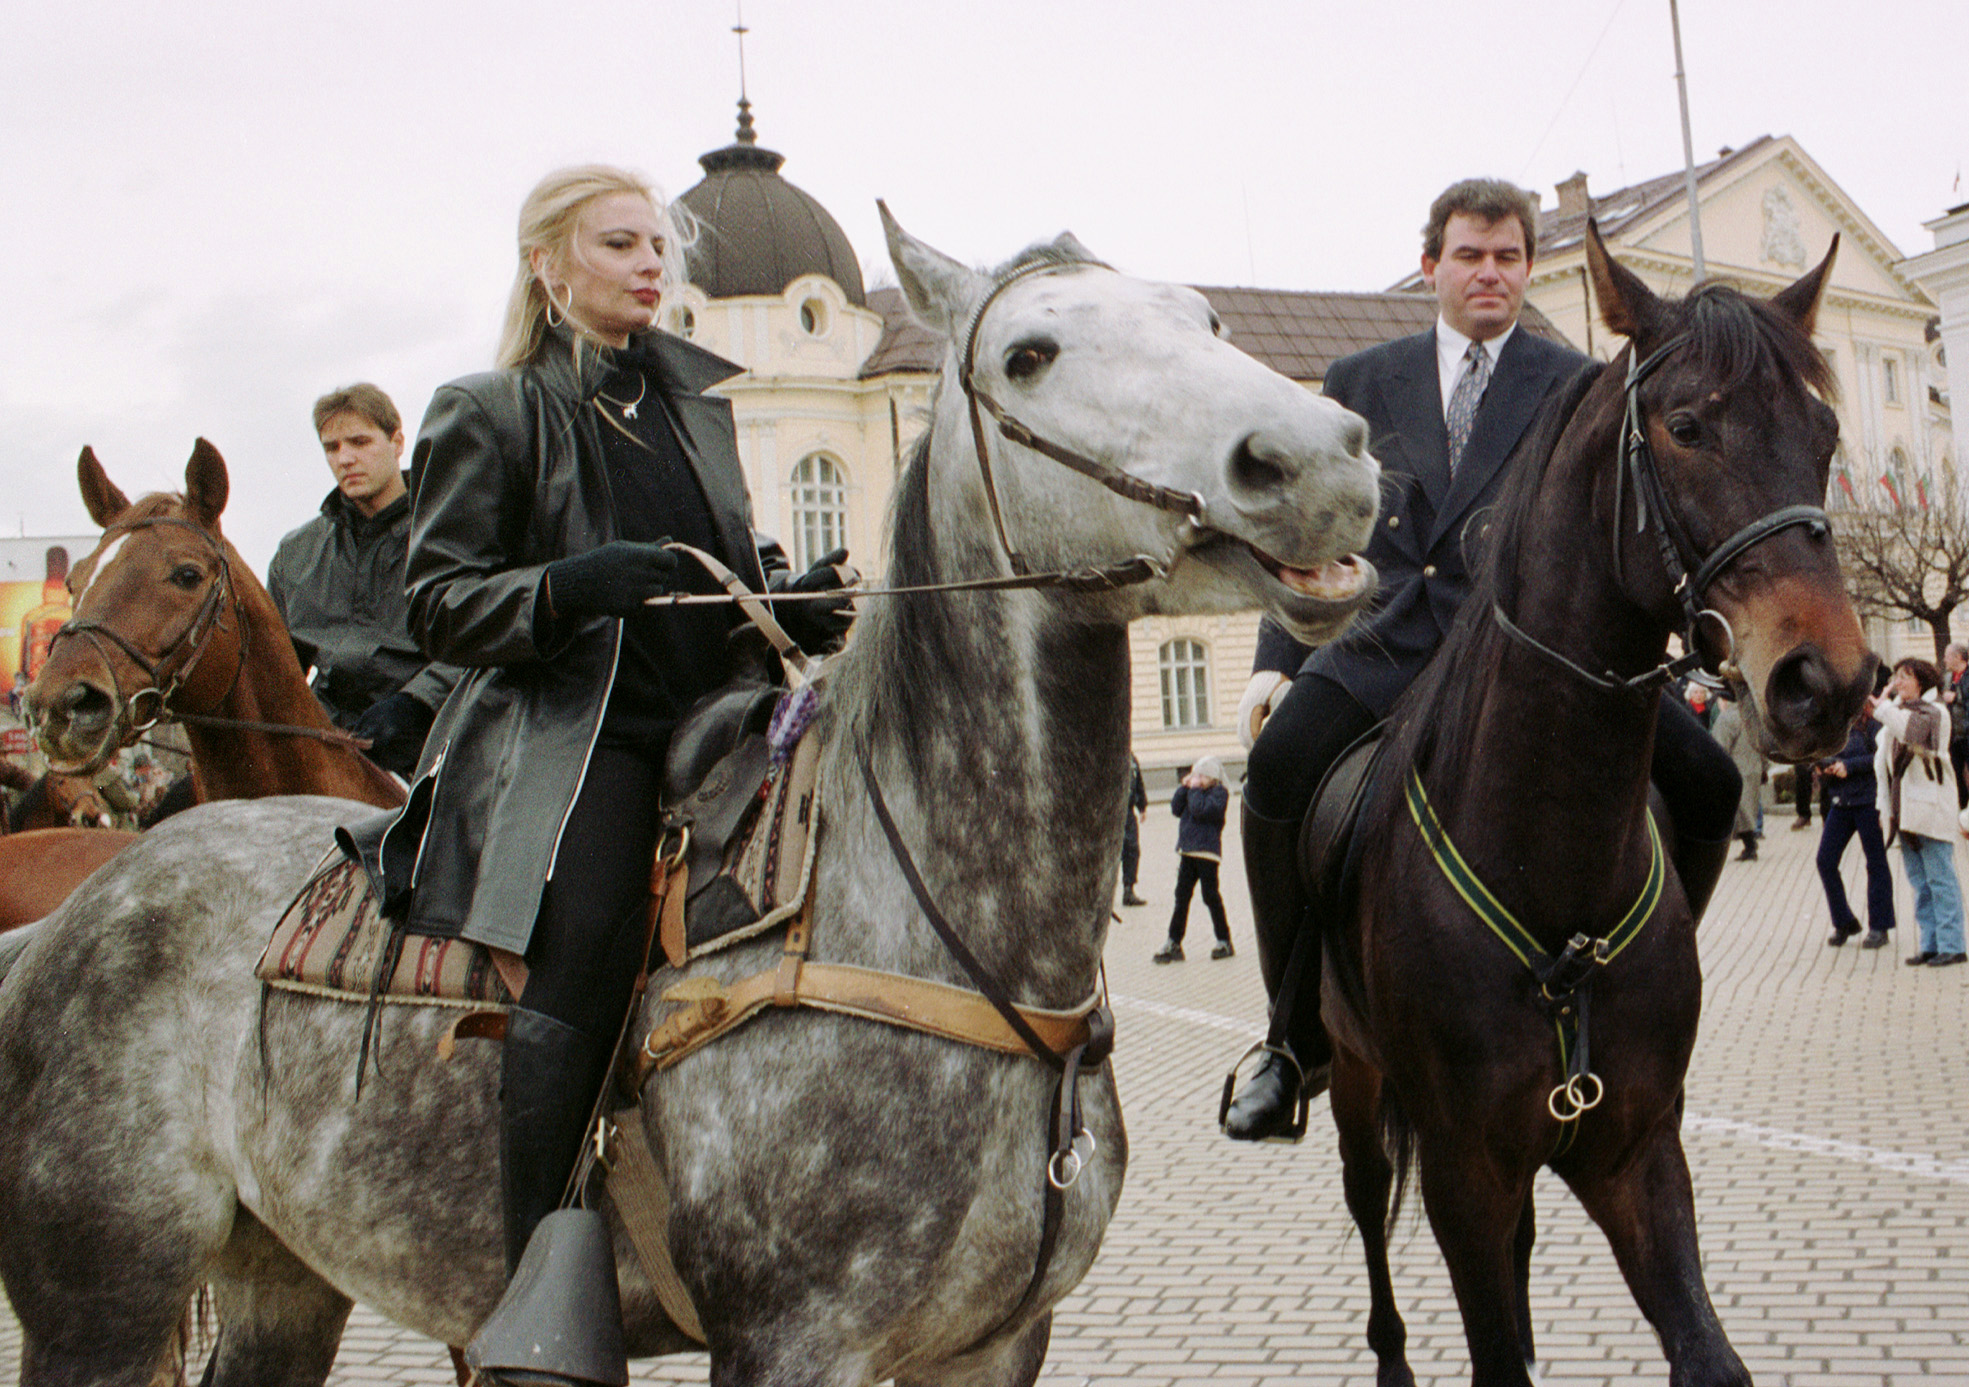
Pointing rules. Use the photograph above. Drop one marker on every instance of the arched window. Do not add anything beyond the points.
(1185, 668)
(820, 509)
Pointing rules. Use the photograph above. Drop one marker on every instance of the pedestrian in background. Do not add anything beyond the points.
(1734, 737)
(1955, 665)
(1852, 813)
(1131, 834)
(1200, 802)
(1918, 802)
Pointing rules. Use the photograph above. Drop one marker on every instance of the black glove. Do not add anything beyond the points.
(816, 627)
(612, 580)
(395, 726)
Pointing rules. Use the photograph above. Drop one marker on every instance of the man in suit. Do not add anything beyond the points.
(1445, 408)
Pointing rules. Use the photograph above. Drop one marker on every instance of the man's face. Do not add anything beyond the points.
(1480, 280)
(363, 459)
(1952, 660)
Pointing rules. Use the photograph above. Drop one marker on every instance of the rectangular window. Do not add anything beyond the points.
(1890, 379)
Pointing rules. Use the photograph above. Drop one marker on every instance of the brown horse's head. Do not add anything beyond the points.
(1732, 407)
(154, 616)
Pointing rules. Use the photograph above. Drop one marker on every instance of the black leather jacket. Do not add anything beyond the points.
(507, 477)
(337, 583)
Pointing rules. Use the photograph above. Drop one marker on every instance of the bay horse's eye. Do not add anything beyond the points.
(1028, 359)
(187, 576)
(1685, 430)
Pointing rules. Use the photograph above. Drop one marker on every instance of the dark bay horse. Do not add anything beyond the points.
(1516, 787)
(169, 622)
(849, 1202)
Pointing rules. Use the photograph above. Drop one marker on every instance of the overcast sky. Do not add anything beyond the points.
(216, 209)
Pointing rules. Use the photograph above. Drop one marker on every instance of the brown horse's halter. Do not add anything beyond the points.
(1678, 552)
(188, 648)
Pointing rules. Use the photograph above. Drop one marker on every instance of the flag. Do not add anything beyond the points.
(1921, 491)
(1846, 485)
(1887, 485)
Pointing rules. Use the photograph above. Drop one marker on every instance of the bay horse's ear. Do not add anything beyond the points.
(206, 485)
(940, 290)
(100, 496)
(1801, 301)
(1627, 306)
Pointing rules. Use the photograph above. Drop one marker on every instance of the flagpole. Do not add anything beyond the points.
(1688, 144)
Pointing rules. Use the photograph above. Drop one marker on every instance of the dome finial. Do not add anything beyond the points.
(745, 133)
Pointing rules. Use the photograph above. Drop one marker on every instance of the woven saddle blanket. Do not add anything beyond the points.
(334, 942)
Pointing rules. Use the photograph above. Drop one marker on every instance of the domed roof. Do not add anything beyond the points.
(757, 233)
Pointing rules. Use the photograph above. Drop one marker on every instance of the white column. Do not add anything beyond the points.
(1944, 274)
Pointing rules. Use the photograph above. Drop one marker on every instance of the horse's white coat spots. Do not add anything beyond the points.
(103, 561)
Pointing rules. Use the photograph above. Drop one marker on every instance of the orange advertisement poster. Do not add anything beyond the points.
(34, 599)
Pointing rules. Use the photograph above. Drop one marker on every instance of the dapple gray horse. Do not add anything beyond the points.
(851, 1202)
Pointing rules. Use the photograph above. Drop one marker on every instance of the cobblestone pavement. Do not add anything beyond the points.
(1827, 1131)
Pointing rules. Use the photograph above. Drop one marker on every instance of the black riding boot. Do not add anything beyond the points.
(1267, 1107)
(1699, 864)
(547, 1090)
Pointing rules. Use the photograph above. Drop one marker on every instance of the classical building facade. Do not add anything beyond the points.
(838, 377)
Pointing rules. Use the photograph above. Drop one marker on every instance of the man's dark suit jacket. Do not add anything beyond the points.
(1419, 546)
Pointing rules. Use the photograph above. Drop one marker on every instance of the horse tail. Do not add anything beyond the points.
(1398, 1140)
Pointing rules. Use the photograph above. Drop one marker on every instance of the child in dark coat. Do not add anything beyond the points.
(1200, 802)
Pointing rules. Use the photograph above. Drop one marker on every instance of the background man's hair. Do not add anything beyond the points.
(1486, 199)
(361, 398)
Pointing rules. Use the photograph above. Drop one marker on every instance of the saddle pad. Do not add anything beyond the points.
(764, 875)
(332, 942)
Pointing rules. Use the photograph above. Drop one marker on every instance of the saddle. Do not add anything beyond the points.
(1327, 851)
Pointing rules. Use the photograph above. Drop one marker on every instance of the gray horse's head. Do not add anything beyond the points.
(1137, 377)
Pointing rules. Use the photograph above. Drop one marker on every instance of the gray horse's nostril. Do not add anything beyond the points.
(1356, 436)
(1252, 470)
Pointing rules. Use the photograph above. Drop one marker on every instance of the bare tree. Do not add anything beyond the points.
(1907, 556)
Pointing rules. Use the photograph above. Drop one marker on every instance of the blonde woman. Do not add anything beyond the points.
(544, 492)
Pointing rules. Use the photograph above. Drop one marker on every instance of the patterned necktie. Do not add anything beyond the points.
(1463, 402)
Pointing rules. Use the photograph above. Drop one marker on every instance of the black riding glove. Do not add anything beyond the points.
(612, 580)
(816, 627)
(395, 726)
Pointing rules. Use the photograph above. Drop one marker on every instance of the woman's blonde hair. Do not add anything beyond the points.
(548, 219)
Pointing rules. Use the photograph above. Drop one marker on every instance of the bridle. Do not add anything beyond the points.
(139, 711)
(143, 709)
(1189, 504)
(1677, 550)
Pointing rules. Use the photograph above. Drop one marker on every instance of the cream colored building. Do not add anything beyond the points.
(838, 378)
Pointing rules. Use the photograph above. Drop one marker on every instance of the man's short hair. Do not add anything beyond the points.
(361, 398)
(1488, 200)
(1925, 674)
(1958, 649)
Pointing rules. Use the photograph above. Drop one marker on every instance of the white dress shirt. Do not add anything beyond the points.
(1451, 347)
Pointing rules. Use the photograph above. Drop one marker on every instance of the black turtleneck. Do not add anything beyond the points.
(671, 656)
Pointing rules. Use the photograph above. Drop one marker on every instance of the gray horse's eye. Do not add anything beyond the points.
(1028, 359)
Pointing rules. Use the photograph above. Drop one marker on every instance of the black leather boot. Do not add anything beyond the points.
(1700, 865)
(550, 1076)
(1297, 1055)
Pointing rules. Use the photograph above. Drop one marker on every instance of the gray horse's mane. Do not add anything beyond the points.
(1045, 253)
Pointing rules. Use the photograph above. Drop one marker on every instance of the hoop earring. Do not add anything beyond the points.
(548, 290)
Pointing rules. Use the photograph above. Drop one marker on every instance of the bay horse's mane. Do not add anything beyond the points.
(900, 667)
(1736, 340)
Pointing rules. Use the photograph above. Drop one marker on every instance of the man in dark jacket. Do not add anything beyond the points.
(1446, 409)
(1851, 779)
(338, 585)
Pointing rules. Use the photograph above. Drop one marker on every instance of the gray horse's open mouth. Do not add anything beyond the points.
(1342, 580)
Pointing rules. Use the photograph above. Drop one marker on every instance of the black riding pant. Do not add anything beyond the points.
(588, 938)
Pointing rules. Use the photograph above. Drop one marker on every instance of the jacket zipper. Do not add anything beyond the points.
(615, 658)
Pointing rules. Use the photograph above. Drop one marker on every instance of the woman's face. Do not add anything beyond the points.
(611, 278)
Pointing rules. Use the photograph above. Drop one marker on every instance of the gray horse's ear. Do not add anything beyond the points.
(100, 496)
(940, 290)
(1800, 301)
(1070, 248)
(206, 484)
(1627, 306)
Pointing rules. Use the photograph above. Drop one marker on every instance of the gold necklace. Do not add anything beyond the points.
(627, 407)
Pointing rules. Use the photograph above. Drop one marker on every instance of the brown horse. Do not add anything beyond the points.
(169, 622)
(52, 801)
(1675, 491)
